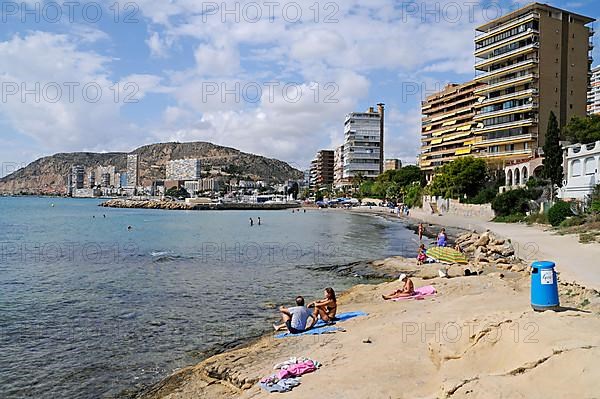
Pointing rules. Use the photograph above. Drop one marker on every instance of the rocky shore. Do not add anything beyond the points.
(182, 206)
(477, 335)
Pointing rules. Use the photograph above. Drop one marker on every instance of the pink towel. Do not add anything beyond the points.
(420, 293)
(296, 370)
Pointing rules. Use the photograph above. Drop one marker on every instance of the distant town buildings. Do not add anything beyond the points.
(447, 126)
(202, 185)
(321, 171)
(184, 169)
(392, 164)
(363, 143)
(75, 179)
(593, 105)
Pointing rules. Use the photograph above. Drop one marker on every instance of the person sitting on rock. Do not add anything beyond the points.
(442, 238)
(407, 290)
(326, 308)
(296, 318)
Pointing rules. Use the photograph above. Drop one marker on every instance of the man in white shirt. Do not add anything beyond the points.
(296, 318)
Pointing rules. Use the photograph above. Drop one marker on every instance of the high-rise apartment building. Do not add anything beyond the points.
(133, 166)
(76, 178)
(184, 169)
(321, 169)
(363, 143)
(533, 61)
(593, 106)
(447, 125)
(338, 167)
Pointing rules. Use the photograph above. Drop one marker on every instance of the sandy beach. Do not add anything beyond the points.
(477, 337)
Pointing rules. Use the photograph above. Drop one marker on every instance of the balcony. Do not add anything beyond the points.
(511, 96)
(509, 25)
(506, 83)
(507, 154)
(500, 71)
(506, 140)
(500, 112)
(521, 50)
(484, 50)
(507, 125)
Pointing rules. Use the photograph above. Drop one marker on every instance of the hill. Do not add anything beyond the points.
(48, 175)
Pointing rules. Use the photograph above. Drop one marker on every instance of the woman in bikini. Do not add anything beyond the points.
(326, 308)
(406, 291)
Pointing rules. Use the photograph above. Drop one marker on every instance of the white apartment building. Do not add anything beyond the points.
(363, 144)
(582, 170)
(184, 169)
(593, 106)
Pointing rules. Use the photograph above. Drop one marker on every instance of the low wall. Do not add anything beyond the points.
(454, 207)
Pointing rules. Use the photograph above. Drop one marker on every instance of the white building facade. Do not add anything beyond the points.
(363, 144)
(184, 169)
(581, 168)
(593, 106)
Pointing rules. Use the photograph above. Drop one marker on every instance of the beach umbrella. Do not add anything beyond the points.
(447, 255)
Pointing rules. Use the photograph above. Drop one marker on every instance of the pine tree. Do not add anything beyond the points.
(553, 153)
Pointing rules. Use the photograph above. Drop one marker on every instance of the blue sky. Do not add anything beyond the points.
(258, 76)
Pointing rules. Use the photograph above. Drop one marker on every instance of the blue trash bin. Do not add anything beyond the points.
(544, 286)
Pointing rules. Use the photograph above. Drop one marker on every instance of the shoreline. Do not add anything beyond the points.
(183, 206)
(235, 372)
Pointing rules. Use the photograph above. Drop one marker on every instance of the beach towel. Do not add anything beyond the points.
(342, 317)
(296, 370)
(323, 328)
(420, 293)
(273, 384)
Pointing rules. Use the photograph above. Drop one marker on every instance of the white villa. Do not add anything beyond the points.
(582, 170)
(518, 173)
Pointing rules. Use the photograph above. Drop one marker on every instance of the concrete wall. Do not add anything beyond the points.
(454, 207)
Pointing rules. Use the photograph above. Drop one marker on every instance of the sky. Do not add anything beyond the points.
(274, 78)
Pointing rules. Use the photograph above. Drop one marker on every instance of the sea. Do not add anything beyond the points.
(102, 303)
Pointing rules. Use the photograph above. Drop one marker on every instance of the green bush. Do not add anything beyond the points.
(595, 206)
(485, 196)
(511, 202)
(513, 218)
(559, 212)
(539, 218)
(573, 221)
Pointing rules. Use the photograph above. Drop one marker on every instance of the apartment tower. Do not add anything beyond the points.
(321, 171)
(363, 143)
(447, 125)
(593, 106)
(534, 61)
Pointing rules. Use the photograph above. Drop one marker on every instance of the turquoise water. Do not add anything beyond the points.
(91, 309)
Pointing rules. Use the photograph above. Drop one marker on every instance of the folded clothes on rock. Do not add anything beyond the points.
(288, 376)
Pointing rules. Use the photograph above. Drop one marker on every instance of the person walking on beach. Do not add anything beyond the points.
(407, 290)
(251, 222)
(296, 318)
(422, 256)
(326, 308)
(420, 231)
(259, 221)
(442, 238)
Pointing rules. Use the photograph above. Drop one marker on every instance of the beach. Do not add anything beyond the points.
(476, 336)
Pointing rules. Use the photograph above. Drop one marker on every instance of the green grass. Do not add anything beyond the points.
(584, 303)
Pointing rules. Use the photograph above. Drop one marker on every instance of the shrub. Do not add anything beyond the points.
(595, 206)
(559, 212)
(511, 202)
(537, 217)
(573, 221)
(485, 196)
(513, 218)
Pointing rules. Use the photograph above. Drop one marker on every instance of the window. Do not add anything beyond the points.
(589, 166)
(576, 168)
(570, 106)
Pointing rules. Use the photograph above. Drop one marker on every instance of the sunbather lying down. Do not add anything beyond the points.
(407, 290)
